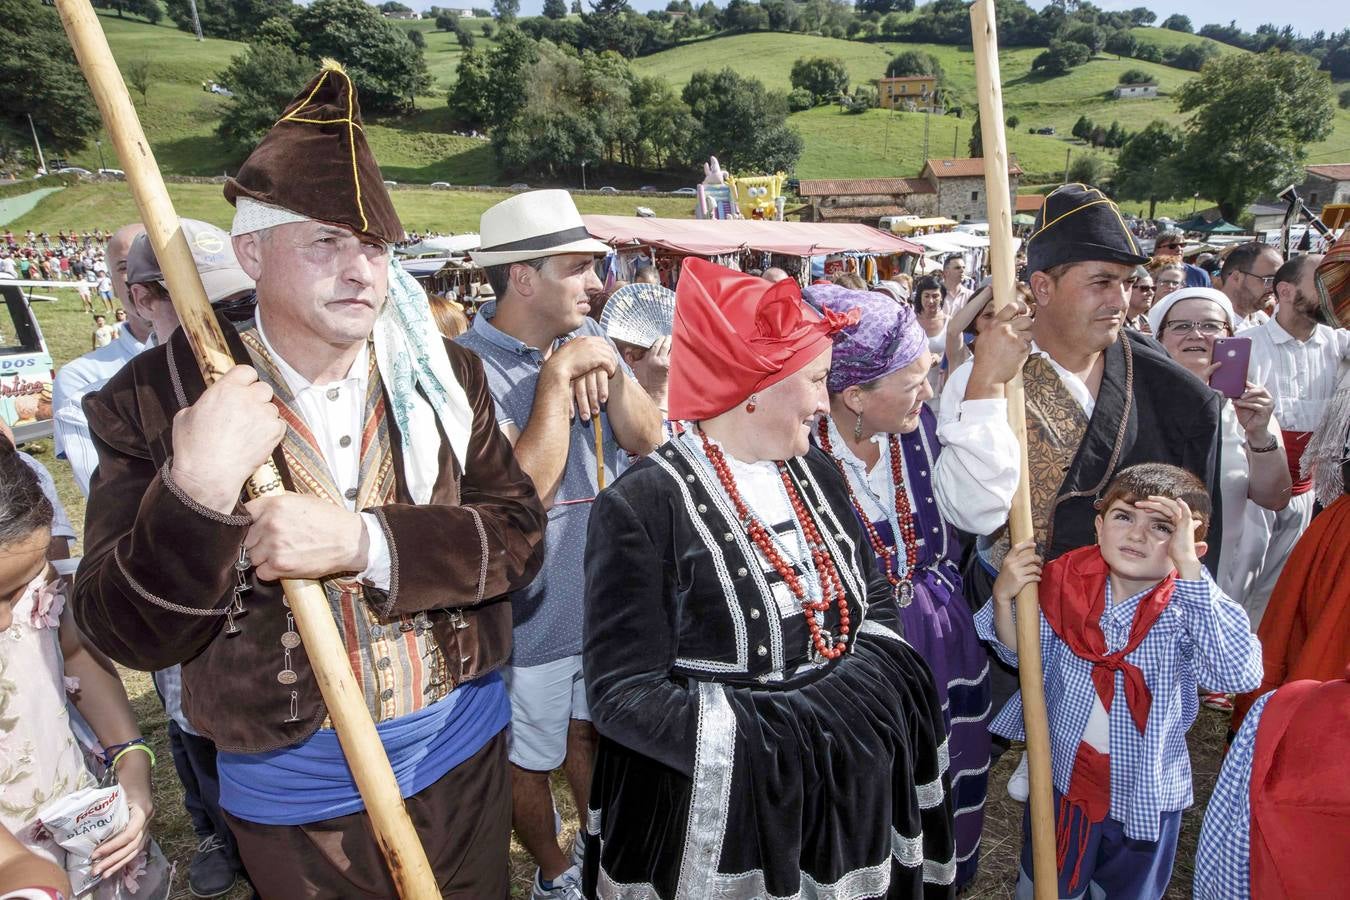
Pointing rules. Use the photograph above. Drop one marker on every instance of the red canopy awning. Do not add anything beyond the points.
(709, 237)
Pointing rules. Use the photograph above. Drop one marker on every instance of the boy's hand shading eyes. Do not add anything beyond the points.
(1183, 549)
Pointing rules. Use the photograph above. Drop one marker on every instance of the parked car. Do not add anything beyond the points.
(113, 173)
(686, 192)
(440, 184)
(25, 369)
(388, 183)
(609, 189)
(74, 170)
(1048, 129)
(520, 186)
(649, 189)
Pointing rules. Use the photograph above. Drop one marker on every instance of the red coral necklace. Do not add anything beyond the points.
(831, 586)
(904, 514)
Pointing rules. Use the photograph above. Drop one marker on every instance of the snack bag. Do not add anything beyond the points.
(79, 822)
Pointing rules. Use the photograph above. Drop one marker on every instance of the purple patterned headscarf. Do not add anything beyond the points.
(885, 340)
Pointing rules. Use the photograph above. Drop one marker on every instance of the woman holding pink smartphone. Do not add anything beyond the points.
(1196, 326)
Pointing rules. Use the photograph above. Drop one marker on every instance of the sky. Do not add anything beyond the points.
(1306, 16)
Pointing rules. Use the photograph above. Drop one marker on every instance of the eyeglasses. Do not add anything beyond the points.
(1167, 282)
(1146, 288)
(1207, 328)
(1266, 280)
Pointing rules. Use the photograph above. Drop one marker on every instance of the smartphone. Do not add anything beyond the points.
(1232, 354)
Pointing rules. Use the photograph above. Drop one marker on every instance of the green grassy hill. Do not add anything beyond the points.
(104, 205)
(180, 117)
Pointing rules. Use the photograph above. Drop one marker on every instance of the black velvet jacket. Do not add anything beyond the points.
(665, 531)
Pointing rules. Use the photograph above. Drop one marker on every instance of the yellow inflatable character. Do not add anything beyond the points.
(757, 195)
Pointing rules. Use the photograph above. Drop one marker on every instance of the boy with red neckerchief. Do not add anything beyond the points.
(1134, 618)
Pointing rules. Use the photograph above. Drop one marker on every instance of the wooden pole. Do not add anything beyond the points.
(1004, 271)
(327, 655)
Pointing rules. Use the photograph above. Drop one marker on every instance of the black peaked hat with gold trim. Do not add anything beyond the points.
(1078, 223)
(315, 162)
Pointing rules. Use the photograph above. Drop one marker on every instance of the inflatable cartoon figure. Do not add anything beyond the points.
(716, 199)
(758, 195)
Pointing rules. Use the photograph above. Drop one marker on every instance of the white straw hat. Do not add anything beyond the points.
(531, 225)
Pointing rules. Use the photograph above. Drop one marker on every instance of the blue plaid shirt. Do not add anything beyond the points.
(1201, 637)
(1223, 859)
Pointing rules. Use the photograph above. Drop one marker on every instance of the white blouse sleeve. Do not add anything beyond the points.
(976, 474)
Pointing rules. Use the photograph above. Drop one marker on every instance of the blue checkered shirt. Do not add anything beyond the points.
(1223, 859)
(1201, 637)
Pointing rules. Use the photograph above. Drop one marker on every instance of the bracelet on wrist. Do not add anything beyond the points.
(114, 753)
(1273, 445)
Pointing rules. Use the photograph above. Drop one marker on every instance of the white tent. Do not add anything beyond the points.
(453, 245)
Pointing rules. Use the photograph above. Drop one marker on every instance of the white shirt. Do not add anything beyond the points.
(1300, 375)
(335, 415)
(61, 527)
(1258, 317)
(75, 379)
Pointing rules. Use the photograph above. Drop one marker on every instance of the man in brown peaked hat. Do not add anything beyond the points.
(404, 500)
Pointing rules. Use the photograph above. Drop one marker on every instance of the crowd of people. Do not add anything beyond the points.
(735, 560)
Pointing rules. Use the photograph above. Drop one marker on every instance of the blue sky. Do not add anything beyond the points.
(1305, 15)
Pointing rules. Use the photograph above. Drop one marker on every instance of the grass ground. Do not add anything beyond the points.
(108, 205)
(67, 331)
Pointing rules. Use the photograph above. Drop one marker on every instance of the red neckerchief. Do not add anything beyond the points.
(1073, 598)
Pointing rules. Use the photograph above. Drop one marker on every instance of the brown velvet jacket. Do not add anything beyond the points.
(159, 569)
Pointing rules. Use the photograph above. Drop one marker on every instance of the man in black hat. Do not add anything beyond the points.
(404, 502)
(1099, 398)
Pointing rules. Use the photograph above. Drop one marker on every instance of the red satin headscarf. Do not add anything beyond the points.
(736, 334)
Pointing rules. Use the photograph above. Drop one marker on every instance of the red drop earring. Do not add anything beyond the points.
(752, 406)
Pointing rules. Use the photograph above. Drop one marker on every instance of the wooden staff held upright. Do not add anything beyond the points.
(356, 732)
(1004, 270)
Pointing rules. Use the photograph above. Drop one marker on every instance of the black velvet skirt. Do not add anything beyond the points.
(831, 784)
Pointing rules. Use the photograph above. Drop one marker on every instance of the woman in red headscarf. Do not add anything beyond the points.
(764, 729)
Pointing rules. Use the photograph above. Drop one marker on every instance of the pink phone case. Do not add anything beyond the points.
(1233, 354)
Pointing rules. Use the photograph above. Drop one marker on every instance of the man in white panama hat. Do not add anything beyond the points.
(553, 373)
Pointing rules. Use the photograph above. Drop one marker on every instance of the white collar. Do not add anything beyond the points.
(298, 383)
(1280, 336)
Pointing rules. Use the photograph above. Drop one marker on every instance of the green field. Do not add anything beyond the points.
(180, 117)
(108, 206)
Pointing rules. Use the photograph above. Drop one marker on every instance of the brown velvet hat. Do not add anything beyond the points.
(315, 162)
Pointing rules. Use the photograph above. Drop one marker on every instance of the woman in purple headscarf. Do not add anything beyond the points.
(883, 439)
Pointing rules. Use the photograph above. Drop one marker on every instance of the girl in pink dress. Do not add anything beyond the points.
(43, 661)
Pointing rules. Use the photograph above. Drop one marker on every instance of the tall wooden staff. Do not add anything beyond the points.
(1004, 271)
(327, 655)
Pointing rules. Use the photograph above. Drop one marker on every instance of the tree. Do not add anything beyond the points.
(42, 78)
(976, 144)
(1178, 22)
(1082, 129)
(490, 87)
(233, 19)
(138, 78)
(505, 11)
(1148, 52)
(1085, 33)
(446, 21)
(418, 39)
(1142, 15)
(825, 77)
(1121, 43)
(799, 99)
(1344, 100)
(884, 6)
(464, 36)
(741, 123)
(1150, 167)
(1252, 118)
(1115, 136)
(387, 69)
(1061, 57)
(393, 6)
(469, 98)
(914, 62)
(1085, 169)
(555, 9)
(1013, 122)
(864, 97)
(1134, 76)
(1191, 56)
(263, 80)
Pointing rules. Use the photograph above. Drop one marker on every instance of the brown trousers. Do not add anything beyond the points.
(463, 819)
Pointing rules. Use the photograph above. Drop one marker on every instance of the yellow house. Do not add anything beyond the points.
(907, 92)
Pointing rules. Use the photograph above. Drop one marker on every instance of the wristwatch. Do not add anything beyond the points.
(1274, 444)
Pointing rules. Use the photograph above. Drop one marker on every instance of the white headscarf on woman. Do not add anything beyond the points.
(1158, 314)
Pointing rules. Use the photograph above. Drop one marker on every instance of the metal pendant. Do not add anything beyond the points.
(290, 640)
(904, 593)
(287, 676)
(231, 629)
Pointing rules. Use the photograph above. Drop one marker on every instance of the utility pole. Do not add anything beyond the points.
(42, 163)
(583, 174)
(956, 136)
(1068, 152)
(99, 144)
(927, 116)
(196, 21)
